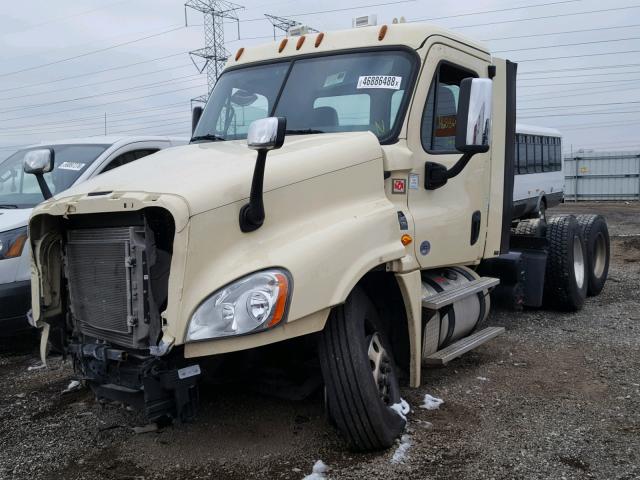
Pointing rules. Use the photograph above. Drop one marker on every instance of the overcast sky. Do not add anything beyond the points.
(144, 86)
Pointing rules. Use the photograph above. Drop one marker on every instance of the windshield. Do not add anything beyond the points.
(20, 190)
(334, 93)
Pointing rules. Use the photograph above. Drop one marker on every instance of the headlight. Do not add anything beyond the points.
(252, 304)
(12, 243)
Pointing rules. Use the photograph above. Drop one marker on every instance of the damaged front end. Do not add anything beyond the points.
(114, 278)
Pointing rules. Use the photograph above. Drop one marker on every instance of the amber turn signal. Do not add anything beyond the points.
(406, 239)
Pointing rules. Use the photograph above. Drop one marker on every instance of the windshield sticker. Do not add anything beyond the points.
(75, 166)
(335, 79)
(379, 81)
(414, 181)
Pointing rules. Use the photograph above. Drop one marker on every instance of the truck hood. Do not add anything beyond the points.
(11, 219)
(213, 174)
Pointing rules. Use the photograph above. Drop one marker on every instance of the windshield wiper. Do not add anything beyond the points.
(6, 205)
(303, 131)
(208, 137)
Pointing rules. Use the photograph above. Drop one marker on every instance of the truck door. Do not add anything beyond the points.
(450, 222)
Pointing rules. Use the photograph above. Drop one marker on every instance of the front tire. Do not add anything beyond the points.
(360, 375)
(565, 284)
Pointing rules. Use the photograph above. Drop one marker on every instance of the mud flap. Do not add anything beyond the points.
(44, 340)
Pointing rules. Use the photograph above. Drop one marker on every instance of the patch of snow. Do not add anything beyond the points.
(483, 379)
(73, 385)
(401, 452)
(401, 408)
(319, 471)
(431, 403)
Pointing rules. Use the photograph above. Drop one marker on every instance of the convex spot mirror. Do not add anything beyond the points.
(473, 128)
(38, 161)
(266, 133)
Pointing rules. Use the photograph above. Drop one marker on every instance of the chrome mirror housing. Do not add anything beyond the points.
(38, 161)
(473, 129)
(266, 133)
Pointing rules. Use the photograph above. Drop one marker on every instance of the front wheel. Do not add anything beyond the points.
(360, 375)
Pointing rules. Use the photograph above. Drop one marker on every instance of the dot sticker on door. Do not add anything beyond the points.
(399, 185)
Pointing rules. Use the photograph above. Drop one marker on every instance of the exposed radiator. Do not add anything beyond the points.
(108, 284)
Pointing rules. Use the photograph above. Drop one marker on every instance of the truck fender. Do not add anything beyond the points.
(411, 288)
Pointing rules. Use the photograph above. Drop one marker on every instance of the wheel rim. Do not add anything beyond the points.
(578, 261)
(380, 367)
(599, 256)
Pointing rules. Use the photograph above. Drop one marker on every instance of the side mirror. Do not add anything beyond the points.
(38, 162)
(196, 113)
(473, 128)
(266, 133)
(263, 135)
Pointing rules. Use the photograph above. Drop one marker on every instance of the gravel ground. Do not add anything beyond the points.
(557, 396)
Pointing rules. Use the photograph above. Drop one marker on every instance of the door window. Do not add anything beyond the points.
(438, 131)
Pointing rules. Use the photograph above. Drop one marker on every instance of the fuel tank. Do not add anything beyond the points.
(457, 320)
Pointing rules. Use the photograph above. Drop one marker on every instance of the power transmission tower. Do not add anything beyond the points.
(214, 52)
(284, 24)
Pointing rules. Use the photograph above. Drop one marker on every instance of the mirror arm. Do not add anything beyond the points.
(459, 165)
(44, 188)
(252, 213)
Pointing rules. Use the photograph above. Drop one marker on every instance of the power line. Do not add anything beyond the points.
(572, 114)
(67, 17)
(573, 69)
(93, 52)
(74, 121)
(107, 103)
(95, 72)
(583, 105)
(494, 11)
(576, 56)
(334, 10)
(577, 83)
(536, 35)
(113, 92)
(546, 17)
(567, 44)
(75, 87)
(579, 75)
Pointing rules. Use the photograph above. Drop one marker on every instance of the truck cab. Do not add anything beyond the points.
(378, 182)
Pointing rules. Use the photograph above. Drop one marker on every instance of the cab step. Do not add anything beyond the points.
(444, 356)
(439, 300)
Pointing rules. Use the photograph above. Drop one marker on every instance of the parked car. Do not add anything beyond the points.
(74, 161)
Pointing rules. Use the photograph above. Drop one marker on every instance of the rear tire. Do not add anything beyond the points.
(596, 237)
(534, 227)
(354, 350)
(565, 285)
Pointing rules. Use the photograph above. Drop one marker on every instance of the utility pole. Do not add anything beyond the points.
(285, 24)
(214, 52)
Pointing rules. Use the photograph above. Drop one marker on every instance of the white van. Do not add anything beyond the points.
(74, 161)
(539, 178)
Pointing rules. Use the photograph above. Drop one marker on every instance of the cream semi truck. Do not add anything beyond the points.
(349, 192)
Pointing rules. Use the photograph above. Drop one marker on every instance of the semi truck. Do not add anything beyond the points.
(348, 190)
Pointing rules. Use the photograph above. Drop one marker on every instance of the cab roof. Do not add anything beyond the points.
(412, 35)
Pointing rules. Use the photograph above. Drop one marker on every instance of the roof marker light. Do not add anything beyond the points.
(283, 44)
(319, 38)
(239, 53)
(300, 42)
(382, 32)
